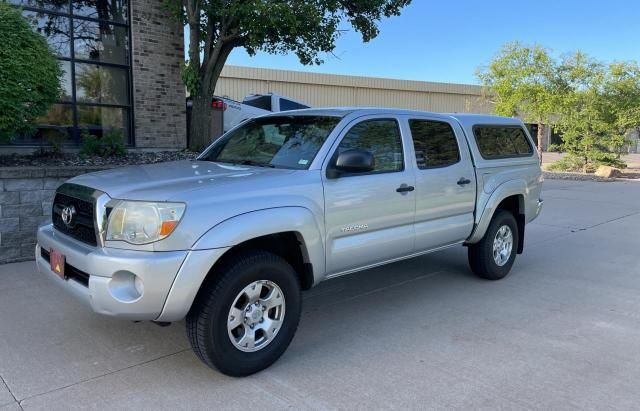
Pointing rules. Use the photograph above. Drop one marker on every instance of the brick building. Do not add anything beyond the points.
(121, 60)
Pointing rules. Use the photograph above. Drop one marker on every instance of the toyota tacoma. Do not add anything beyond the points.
(280, 203)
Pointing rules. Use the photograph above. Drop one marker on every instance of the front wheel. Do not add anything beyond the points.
(493, 256)
(244, 320)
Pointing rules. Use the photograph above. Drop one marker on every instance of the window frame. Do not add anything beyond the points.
(506, 126)
(334, 153)
(75, 129)
(455, 138)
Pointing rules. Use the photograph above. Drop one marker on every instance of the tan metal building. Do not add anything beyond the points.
(327, 90)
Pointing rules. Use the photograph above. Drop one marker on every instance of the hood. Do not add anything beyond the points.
(165, 181)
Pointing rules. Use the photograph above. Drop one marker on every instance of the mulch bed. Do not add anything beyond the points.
(76, 160)
(558, 175)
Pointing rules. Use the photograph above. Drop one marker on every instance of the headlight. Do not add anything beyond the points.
(141, 222)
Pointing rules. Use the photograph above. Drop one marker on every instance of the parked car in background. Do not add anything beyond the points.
(282, 202)
(253, 105)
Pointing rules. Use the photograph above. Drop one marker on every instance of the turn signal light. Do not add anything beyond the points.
(168, 227)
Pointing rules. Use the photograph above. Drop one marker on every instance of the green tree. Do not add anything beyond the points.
(582, 118)
(599, 104)
(29, 74)
(622, 91)
(521, 81)
(304, 28)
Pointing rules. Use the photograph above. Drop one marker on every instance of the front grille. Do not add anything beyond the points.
(70, 272)
(81, 226)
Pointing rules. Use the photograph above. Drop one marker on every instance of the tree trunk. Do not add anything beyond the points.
(586, 160)
(200, 130)
(540, 136)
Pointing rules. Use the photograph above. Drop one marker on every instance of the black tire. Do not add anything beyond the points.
(481, 254)
(207, 319)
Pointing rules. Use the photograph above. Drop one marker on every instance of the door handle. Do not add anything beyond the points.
(463, 181)
(405, 188)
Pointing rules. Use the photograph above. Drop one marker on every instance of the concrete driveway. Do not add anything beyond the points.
(561, 332)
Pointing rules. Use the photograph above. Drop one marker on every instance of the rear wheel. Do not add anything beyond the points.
(244, 319)
(493, 256)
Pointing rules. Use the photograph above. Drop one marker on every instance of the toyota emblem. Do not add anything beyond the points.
(67, 214)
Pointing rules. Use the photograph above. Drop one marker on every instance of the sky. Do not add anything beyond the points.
(446, 41)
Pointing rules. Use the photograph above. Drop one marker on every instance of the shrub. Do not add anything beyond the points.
(29, 74)
(111, 144)
(572, 162)
(56, 139)
(554, 148)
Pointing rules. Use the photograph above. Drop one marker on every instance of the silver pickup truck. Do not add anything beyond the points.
(281, 203)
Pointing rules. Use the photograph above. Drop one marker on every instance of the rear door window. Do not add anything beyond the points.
(495, 142)
(435, 144)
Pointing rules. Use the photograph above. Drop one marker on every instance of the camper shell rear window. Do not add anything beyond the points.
(502, 141)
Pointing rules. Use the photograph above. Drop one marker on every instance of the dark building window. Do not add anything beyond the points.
(92, 41)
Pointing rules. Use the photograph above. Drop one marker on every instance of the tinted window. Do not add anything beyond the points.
(435, 143)
(101, 84)
(101, 41)
(286, 105)
(114, 10)
(502, 141)
(55, 5)
(285, 142)
(91, 40)
(53, 28)
(263, 102)
(381, 138)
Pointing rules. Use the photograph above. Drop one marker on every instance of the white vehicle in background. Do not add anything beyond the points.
(253, 105)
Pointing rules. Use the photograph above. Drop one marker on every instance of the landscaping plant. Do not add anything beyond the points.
(592, 104)
(29, 74)
(521, 82)
(110, 144)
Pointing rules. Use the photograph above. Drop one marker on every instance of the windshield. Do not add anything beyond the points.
(279, 142)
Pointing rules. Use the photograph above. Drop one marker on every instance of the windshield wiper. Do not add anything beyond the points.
(254, 163)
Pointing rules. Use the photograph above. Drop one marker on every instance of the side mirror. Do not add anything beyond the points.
(352, 161)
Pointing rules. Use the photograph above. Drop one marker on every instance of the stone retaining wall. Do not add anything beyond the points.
(26, 195)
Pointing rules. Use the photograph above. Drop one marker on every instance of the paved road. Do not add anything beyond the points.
(562, 332)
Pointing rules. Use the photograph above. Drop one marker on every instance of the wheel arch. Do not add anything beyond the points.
(509, 196)
(288, 223)
(288, 245)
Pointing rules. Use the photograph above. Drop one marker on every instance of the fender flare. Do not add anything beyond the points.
(506, 189)
(258, 223)
(219, 239)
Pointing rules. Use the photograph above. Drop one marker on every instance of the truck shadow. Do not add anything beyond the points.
(414, 295)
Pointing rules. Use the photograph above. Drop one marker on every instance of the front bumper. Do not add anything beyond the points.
(121, 283)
